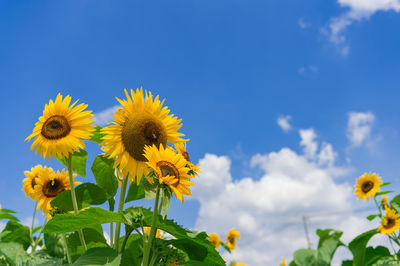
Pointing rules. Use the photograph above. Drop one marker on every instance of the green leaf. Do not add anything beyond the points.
(166, 201)
(14, 252)
(16, 232)
(99, 256)
(54, 245)
(372, 216)
(8, 216)
(192, 248)
(386, 184)
(389, 260)
(225, 246)
(87, 194)
(41, 258)
(104, 174)
(347, 263)
(395, 203)
(133, 252)
(383, 193)
(358, 247)
(307, 257)
(79, 159)
(374, 254)
(135, 192)
(64, 223)
(97, 136)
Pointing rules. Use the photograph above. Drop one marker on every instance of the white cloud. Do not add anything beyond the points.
(310, 71)
(105, 116)
(308, 142)
(303, 24)
(357, 10)
(359, 127)
(283, 122)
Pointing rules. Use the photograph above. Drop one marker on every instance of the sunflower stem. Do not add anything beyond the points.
(31, 229)
(111, 208)
(153, 230)
(377, 205)
(120, 208)
(74, 203)
(66, 249)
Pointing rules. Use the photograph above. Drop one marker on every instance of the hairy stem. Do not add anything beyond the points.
(153, 230)
(120, 208)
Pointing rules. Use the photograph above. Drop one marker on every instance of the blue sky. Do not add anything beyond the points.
(229, 69)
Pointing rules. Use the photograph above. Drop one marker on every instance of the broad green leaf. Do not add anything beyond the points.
(372, 216)
(326, 234)
(135, 192)
(192, 248)
(97, 136)
(64, 223)
(374, 254)
(16, 232)
(328, 243)
(307, 257)
(358, 246)
(395, 203)
(347, 263)
(133, 252)
(386, 261)
(104, 174)
(7, 211)
(79, 159)
(54, 244)
(87, 194)
(41, 258)
(14, 252)
(99, 256)
(383, 193)
(8, 216)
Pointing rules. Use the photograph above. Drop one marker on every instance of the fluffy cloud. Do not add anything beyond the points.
(105, 116)
(359, 127)
(284, 123)
(357, 10)
(268, 211)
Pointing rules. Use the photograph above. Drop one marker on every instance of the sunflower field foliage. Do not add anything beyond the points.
(143, 157)
(367, 187)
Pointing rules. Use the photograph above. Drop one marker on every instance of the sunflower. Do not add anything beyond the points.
(231, 238)
(367, 186)
(142, 120)
(214, 239)
(283, 262)
(170, 168)
(61, 128)
(147, 232)
(181, 148)
(30, 180)
(49, 185)
(384, 202)
(390, 223)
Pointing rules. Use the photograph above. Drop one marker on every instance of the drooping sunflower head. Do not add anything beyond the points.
(231, 238)
(62, 128)
(170, 169)
(367, 186)
(214, 239)
(181, 149)
(390, 223)
(31, 177)
(49, 185)
(142, 120)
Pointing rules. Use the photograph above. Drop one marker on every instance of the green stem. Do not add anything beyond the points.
(111, 208)
(377, 205)
(120, 208)
(153, 230)
(31, 229)
(74, 203)
(66, 249)
(127, 234)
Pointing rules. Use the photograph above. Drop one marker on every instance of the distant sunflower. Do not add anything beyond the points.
(384, 202)
(214, 239)
(30, 180)
(283, 263)
(142, 120)
(61, 128)
(367, 186)
(147, 232)
(49, 185)
(390, 223)
(231, 238)
(181, 148)
(170, 169)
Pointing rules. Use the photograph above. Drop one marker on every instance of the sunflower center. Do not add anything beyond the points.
(367, 186)
(389, 223)
(56, 127)
(141, 130)
(52, 188)
(231, 239)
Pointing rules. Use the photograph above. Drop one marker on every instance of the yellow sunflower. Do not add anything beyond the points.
(61, 128)
(231, 238)
(181, 148)
(214, 239)
(390, 223)
(283, 262)
(49, 185)
(142, 120)
(30, 180)
(170, 168)
(147, 232)
(384, 202)
(367, 186)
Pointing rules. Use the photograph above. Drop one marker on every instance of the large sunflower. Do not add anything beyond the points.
(390, 223)
(61, 128)
(142, 120)
(367, 186)
(214, 239)
(30, 180)
(231, 238)
(49, 185)
(181, 148)
(170, 168)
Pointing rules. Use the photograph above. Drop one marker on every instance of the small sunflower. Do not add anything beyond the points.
(181, 148)
(170, 168)
(231, 238)
(390, 223)
(147, 230)
(384, 202)
(367, 186)
(283, 263)
(142, 120)
(30, 180)
(61, 128)
(214, 239)
(49, 185)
